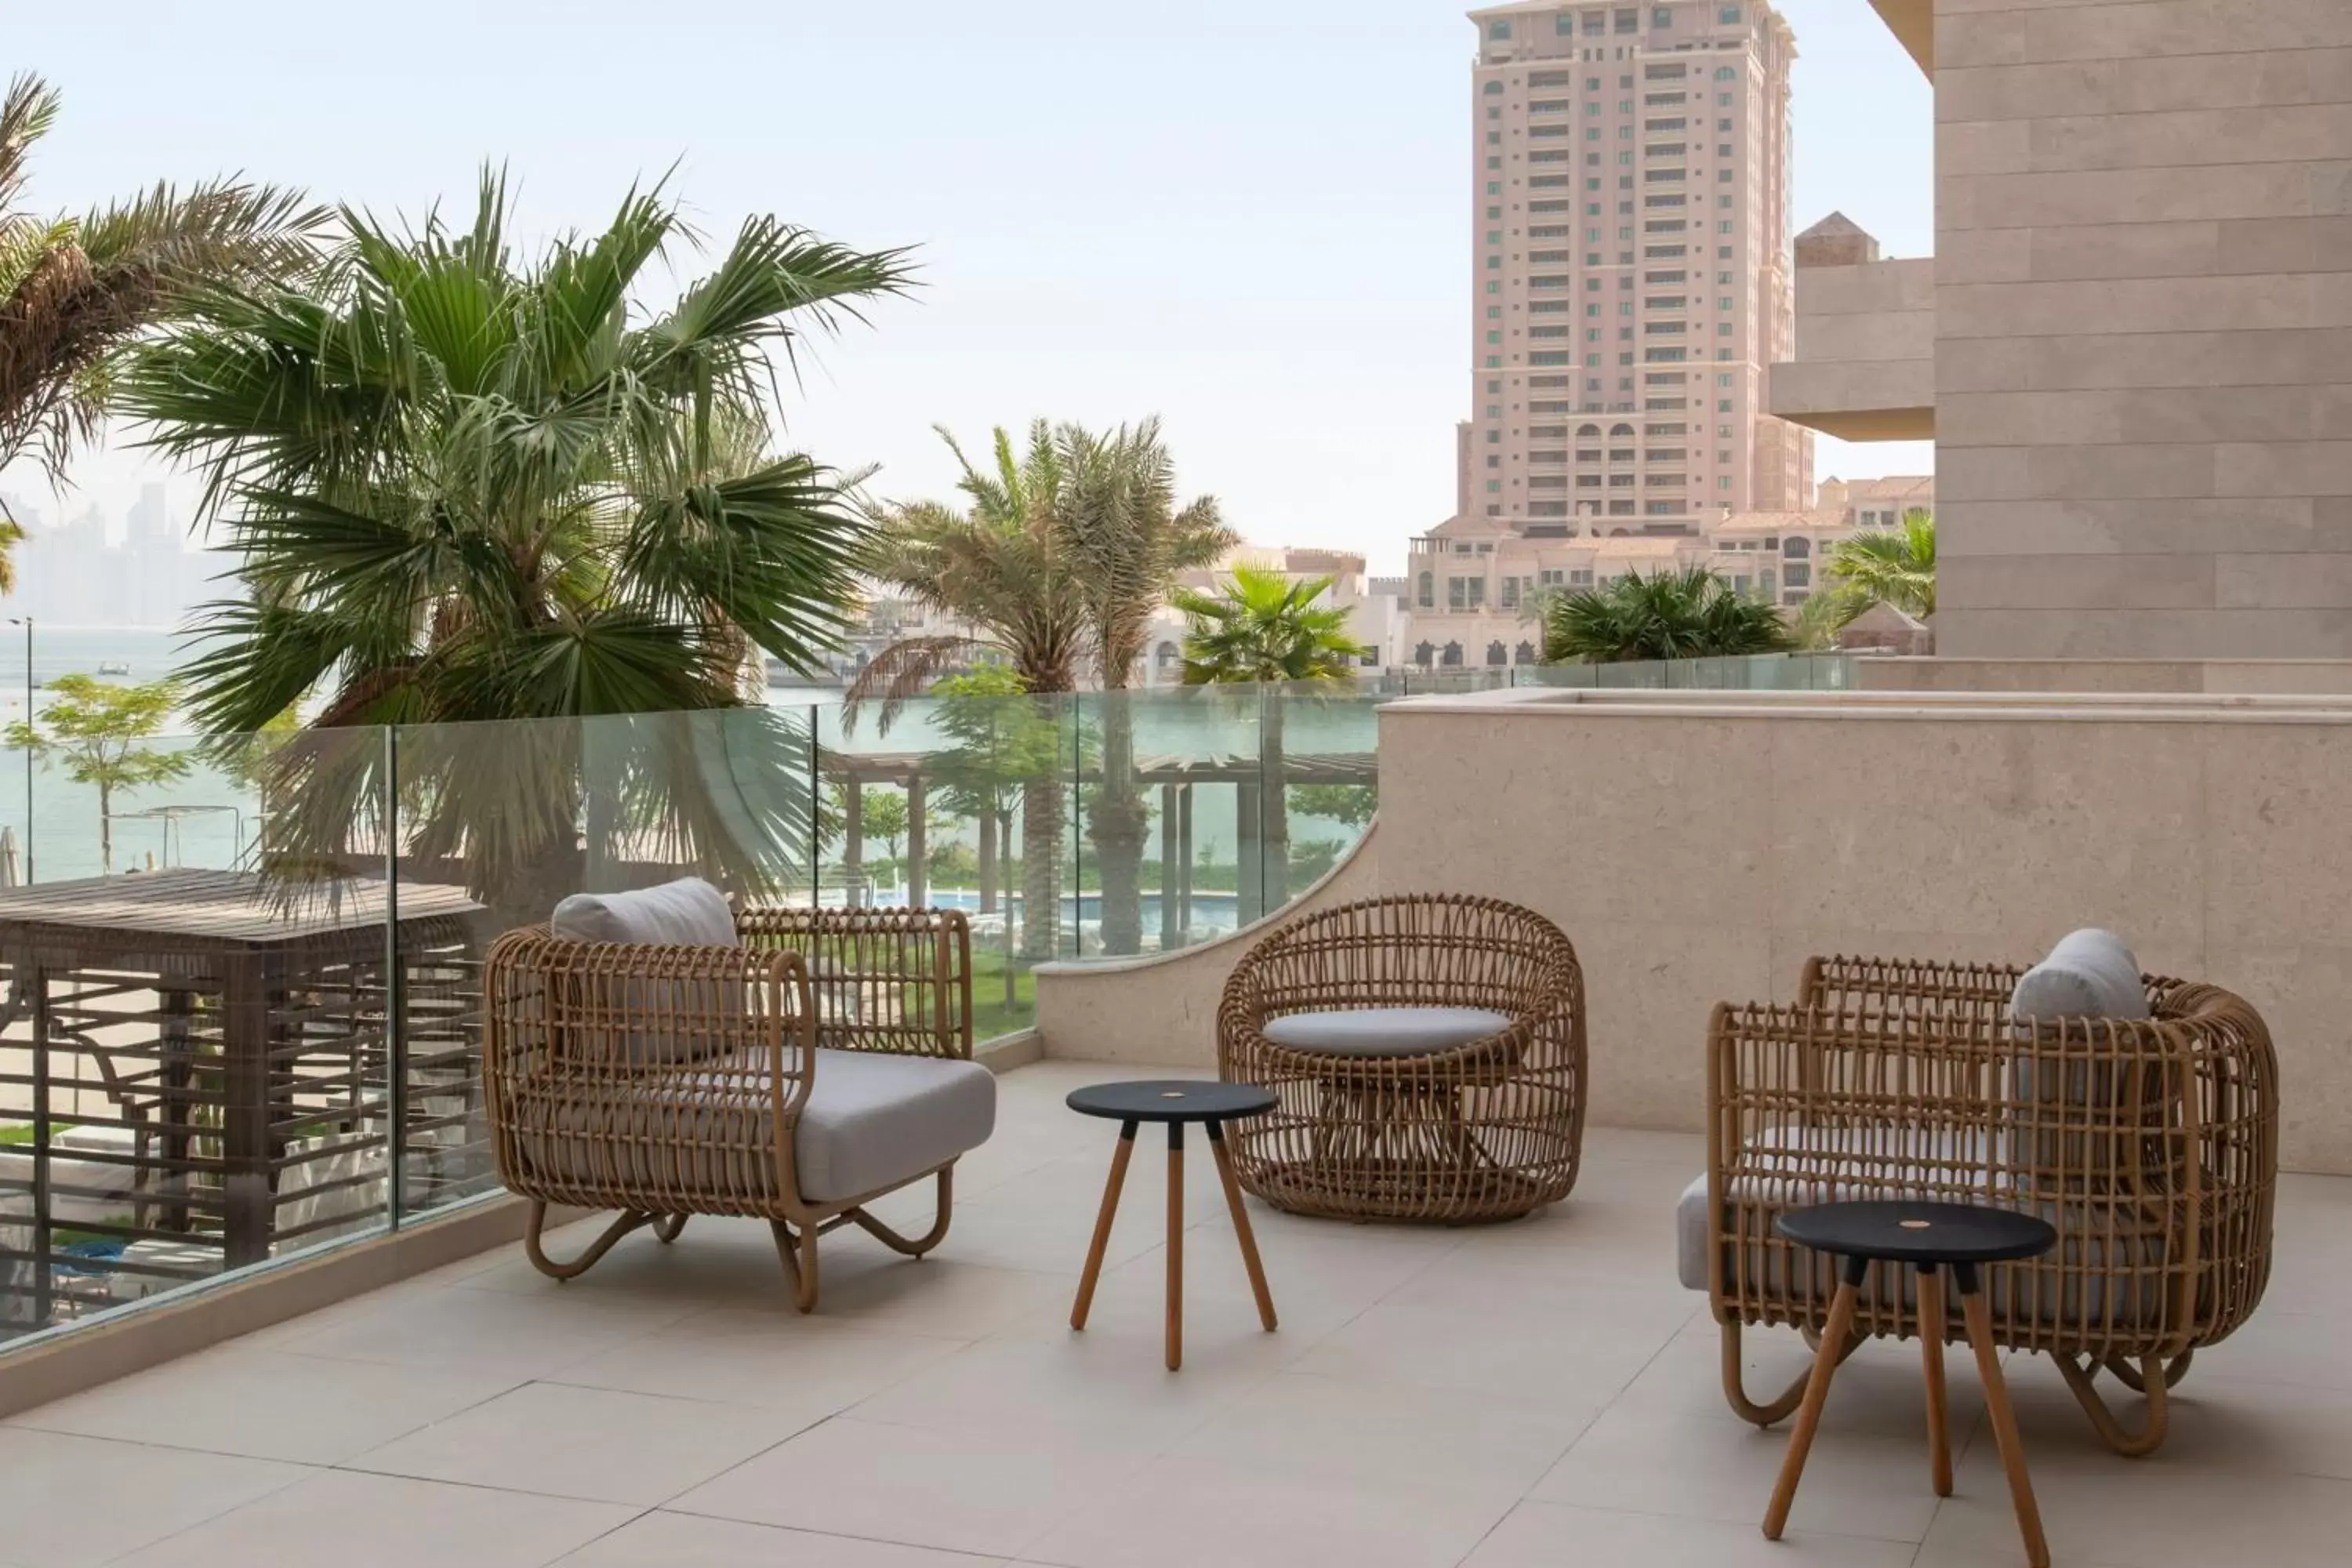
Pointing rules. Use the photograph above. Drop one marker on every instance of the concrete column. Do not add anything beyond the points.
(853, 832)
(1184, 864)
(1170, 869)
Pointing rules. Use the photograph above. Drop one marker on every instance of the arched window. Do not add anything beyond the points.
(1615, 430)
(1451, 657)
(1525, 654)
(1496, 653)
(1797, 548)
(1426, 591)
(1619, 533)
(1725, 73)
(1584, 430)
(1424, 654)
(1166, 656)
(1493, 90)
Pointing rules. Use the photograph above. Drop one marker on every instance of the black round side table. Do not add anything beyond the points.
(1174, 1102)
(1929, 1237)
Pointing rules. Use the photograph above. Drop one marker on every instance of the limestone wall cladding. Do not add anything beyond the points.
(2143, 323)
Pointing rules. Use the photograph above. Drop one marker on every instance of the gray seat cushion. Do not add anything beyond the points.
(873, 1120)
(1385, 1031)
(2090, 973)
(689, 912)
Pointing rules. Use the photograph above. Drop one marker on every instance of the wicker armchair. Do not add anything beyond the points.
(1485, 1128)
(2151, 1145)
(823, 1063)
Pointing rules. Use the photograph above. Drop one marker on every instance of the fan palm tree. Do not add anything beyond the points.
(1691, 614)
(1264, 627)
(1889, 566)
(74, 290)
(469, 486)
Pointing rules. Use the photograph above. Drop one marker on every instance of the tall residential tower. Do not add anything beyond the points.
(1631, 272)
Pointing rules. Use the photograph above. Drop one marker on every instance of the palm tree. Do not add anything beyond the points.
(1265, 627)
(1067, 548)
(1889, 566)
(1130, 541)
(74, 290)
(1001, 572)
(466, 487)
(1691, 614)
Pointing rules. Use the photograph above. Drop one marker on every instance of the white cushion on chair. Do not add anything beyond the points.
(689, 912)
(2090, 973)
(875, 1119)
(1385, 1031)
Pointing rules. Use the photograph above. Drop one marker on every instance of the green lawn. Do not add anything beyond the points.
(991, 1015)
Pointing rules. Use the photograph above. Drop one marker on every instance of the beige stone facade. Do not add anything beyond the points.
(1630, 279)
(2142, 311)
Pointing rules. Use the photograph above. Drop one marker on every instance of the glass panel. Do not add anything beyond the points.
(1319, 763)
(195, 1059)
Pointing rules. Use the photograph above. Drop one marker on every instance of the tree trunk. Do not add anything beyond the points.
(105, 825)
(1274, 826)
(1120, 824)
(1042, 818)
(988, 858)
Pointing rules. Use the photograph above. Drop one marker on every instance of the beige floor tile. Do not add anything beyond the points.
(66, 1501)
(782, 1361)
(683, 1540)
(1647, 1460)
(2107, 1509)
(1389, 1434)
(269, 1404)
(1500, 1345)
(1087, 1387)
(1548, 1534)
(386, 1521)
(2283, 1345)
(488, 1330)
(596, 1443)
(2215, 1422)
(1183, 1513)
(940, 1296)
(915, 1485)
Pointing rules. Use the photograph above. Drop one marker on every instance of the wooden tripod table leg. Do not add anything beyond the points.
(1241, 1231)
(1102, 1225)
(1175, 1245)
(1817, 1393)
(2004, 1419)
(1931, 1351)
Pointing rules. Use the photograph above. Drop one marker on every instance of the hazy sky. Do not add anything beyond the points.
(1246, 217)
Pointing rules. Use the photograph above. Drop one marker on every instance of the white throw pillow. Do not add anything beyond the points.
(687, 913)
(2090, 973)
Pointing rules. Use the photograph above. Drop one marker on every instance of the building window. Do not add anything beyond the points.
(1424, 654)
(1662, 16)
(1493, 187)
(1425, 595)
(1797, 548)
(1729, 13)
(1452, 658)
(1525, 653)
(1496, 653)
(1494, 437)
(1498, 29)
(1493, 90)
(1725, 73)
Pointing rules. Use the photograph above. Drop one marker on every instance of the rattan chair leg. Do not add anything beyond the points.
(1808, 1413)
(2003, 1419)
(1931, 1355)
(2154, 1382)
(628, 1221)
(944, 1210)
(1735, 1382)
(2128, 1375)
(665, 1229)
(798, 1250)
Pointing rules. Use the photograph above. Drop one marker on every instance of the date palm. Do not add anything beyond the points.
(1691, 614)
(1000, 573)
(1262, 628)
(467, 486)
(73, 289)
(1888, 566)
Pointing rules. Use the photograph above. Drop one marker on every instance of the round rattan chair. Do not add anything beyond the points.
(1482, 1127)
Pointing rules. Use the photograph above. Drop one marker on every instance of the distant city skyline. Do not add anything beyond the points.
(79, 569)
(1243, 218)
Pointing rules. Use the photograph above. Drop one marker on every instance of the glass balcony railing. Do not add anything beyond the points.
(242, 1015)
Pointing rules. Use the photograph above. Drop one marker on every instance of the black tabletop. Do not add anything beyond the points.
(1172, 1100)
(1918, 1232)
